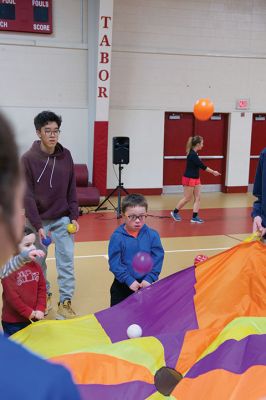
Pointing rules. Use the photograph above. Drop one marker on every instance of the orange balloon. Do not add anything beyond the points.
(203, 109)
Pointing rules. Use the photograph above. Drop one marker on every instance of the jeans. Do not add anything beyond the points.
(10, 328)
(64, 255)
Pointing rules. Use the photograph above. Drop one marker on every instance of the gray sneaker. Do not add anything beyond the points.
(197, 220)
(175, 216)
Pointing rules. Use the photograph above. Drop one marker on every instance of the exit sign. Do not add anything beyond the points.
(242, 104)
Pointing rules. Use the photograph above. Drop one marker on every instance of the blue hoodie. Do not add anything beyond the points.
(123, 247)
(25, 376)
(259, 190)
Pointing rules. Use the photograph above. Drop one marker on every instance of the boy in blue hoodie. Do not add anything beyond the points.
(51, 203)
(127, 240)
(259, 191)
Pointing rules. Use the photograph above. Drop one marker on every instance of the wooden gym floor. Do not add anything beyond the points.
(227, 221)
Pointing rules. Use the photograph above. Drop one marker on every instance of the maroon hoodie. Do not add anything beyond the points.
(51, 185)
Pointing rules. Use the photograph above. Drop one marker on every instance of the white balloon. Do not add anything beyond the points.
(134, 331)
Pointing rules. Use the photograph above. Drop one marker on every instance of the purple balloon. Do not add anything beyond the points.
(46, 241)
(142, 262)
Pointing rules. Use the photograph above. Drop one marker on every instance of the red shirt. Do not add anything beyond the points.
(23, 291)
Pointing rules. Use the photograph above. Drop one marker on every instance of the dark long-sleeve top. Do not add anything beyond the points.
(194, 164)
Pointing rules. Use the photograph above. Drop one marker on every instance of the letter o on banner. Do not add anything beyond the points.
(103, 75)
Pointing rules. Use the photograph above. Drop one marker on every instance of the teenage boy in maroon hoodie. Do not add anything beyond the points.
(51, 203)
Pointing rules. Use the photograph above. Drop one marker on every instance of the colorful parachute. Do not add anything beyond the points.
(208, 323)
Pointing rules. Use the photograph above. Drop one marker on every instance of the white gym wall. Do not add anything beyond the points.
(39, 72)
(169, 53)
(166, 54)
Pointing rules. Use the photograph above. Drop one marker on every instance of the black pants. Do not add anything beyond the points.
(119, 292)
(10, 328)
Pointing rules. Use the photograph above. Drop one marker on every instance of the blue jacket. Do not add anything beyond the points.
(259, 189)
(123, 247)
(25, 376)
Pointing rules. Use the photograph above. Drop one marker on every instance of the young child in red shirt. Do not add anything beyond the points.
(24, 291)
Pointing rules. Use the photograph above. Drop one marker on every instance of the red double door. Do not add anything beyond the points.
(258, 143)
(177, 129)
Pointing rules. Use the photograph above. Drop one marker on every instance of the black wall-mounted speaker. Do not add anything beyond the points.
(120, 150)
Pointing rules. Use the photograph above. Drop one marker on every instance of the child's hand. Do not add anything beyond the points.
(145, 284)
(35, 253)
(32, 316)
(135, 286)
(39, 315)
(41, 234)
(257, 225)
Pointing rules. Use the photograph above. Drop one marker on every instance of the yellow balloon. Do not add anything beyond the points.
(71, 228)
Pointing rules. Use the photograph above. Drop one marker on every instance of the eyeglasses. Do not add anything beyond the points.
(49, 132)
(133, 217)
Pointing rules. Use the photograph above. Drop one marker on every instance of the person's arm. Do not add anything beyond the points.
(256, 211)
(13, 298)
(72, 195)
(258, 227)
(18, 261)
(116, 266)
(257, 189)
(31, 209)
(257, 205)
(14, 264)
(61, 385)
(212, 171)
(157, 253)
(196, 160)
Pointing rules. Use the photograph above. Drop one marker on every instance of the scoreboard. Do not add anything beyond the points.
(34, 16)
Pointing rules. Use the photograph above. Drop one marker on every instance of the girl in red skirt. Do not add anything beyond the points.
(191, 179)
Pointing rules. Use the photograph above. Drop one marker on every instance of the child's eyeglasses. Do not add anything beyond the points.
(133, 217)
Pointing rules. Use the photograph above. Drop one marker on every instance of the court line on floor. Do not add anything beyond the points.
(166, 251)
(189, 250)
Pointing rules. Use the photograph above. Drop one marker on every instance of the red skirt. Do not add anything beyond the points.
(190, 181)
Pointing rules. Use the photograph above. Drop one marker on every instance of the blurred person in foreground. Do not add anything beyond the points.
(23, 375)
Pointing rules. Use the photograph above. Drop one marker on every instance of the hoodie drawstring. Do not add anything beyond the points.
(51, 177)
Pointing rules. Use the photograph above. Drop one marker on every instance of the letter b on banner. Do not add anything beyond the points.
(120, 150)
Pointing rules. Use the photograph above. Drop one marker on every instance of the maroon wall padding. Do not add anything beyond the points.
(87, 194)
(82, 174)
(100, 155)
(235, 189)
